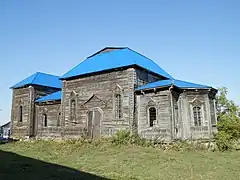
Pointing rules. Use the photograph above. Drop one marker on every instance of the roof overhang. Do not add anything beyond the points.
(112, 70)
(50, 102)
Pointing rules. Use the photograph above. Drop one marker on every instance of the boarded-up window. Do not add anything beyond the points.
(152, 115)
(45, 121)
(197, 116)
(20, 114)
(118, 106)
(73, 110)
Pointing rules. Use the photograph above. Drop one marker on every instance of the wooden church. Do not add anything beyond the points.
(113, 89)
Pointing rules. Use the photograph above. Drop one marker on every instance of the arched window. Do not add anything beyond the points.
(58, 119)
(20, 114)
(73, 110)
(118, 106)
(152, 115)
(45, 123)
(197, 116)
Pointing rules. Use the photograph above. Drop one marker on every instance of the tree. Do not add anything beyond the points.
(225, 106)
(228, 124)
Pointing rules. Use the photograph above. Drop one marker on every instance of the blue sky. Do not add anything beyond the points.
(198, 41)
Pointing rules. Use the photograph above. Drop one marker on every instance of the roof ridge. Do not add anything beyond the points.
(117, 58)
(39, 78)
(107, 52)
(99, 52)
(89, 57)
(36, 74)
(150, 60)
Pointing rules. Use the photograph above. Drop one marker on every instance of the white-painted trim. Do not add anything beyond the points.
(196, 99)
(73, 93)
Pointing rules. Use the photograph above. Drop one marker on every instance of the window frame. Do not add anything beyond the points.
(197, 115)
(20, 114)
(73, 115)
(149, 117)
(118, 106)
(59, 119)
(45, 120)
(197, 103)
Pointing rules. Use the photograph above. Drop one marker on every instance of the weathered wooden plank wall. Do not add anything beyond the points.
(98, 91)
(162, 128)
(20, 97)
(53, 113)
(25, 97)
(174, 108)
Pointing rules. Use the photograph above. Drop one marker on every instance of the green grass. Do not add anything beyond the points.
(31, 160)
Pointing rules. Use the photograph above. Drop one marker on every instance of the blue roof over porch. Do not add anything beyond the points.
(51, 97)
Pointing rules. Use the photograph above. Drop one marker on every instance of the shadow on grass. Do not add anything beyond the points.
(14, 166)
(7, 140)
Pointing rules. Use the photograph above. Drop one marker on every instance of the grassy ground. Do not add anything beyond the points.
(42, 160)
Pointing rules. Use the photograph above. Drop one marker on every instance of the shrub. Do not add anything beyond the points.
(230, 124)
(121, 137)
(228, 132)
(124, 137)
(137, 140)
(184, 146)
(223, 141)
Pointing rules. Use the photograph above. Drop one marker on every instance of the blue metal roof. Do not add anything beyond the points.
(41, 79)
(51, 97)
(178, 83)
(117, 58)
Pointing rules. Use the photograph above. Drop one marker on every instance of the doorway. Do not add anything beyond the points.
(94, 117)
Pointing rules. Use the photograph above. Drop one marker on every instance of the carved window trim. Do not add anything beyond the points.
(72, 108)
(198, 105)
(73, 115)
(118, 102)
(197, 115)
(118, 105)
